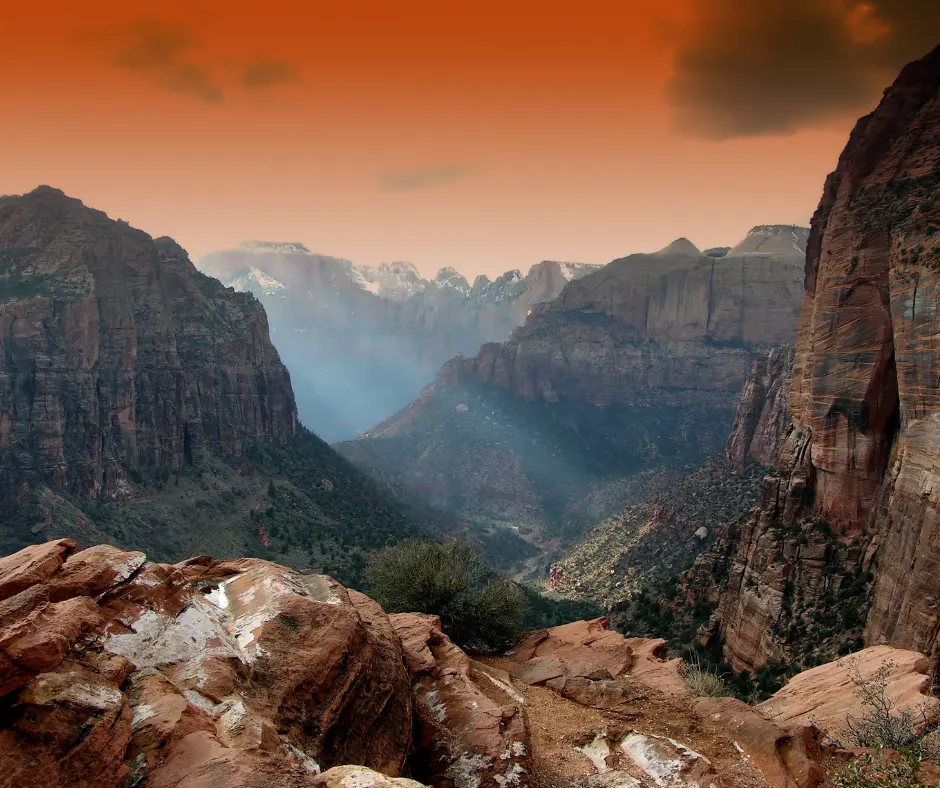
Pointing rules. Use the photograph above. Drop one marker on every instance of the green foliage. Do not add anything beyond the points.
(703, 682)
(544, 612)
(479, 609)
(875, 770)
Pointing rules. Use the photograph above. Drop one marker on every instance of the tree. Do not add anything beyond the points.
(479, 609)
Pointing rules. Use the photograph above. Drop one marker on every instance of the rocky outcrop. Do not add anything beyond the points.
(117, 354)
(763, 413)
(470, 727)
(828, 696)
(859, 461)
(245, 673)
(341, 328)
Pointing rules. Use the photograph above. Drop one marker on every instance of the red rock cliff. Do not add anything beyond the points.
(116, 353)
(863, 451)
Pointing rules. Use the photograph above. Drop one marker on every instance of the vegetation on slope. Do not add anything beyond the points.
(299, 504)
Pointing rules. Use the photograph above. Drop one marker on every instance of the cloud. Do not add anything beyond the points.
(269, 71)
(172, 56)
(163, 53)
(749, 67)
(423, 178)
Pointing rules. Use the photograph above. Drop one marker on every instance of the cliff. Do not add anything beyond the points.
(633, 369)
(361, 342)
(676, 326)
(142, 402)
(118, 354)
(854, 495)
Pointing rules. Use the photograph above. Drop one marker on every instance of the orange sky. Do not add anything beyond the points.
(485, 135)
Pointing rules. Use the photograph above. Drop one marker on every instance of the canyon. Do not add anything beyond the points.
(142, 401)
(632, 368)
(361, 342)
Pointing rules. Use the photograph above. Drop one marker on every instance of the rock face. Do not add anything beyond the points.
(634, 367)
(828, 695)
(675, 326)
(361, 342)
(240, 673)
(470, 727)
(859, 462)
(763, 413)
(118, 354)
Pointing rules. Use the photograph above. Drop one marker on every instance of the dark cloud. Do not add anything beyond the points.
(420, 179)
(748, 67)
(164, 53)
(267, 72)
(171, 55)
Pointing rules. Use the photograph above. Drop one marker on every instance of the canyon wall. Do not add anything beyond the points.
(854, 497)
(116, 353)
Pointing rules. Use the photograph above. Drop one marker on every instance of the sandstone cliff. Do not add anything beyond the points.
(361, 342)
(855, 487)
(143, 402)
(118, 354)
(633, 368)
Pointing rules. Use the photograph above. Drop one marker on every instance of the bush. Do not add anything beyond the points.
(877, 771)
(703, 682)
(882, 724)
(479, 609)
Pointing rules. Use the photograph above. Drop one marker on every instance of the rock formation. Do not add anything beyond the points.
(118, 354)
(634, 367)
(117, 671)
(763, 413)
(143, 402)
(855, 489)
(361, 342)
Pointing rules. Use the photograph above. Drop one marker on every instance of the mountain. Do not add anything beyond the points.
(361, 342)
(842, 548)
(142, 400)
(634, 367)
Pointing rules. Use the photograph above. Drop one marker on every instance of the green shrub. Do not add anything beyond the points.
(877, 771)
(479, 609)
(703, 682)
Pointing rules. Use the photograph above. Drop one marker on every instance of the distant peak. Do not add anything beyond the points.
(772, 239)
(50, 191)
(275, 247)
(681, 247)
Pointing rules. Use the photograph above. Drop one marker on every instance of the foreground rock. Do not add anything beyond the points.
(469, 723)
(595, 666)
(829, 694)
(238, 673)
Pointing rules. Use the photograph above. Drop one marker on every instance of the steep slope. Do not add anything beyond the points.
(141, 399)
(634, 367)
(854, 498)
(361, 342)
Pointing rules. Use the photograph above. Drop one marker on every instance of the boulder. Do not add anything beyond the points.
(239, 673)
(581, 648)
(787, 757)
(470, 727)
(828, 694)
(360, 777)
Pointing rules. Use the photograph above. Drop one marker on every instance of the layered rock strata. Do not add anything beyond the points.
(117, 354)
